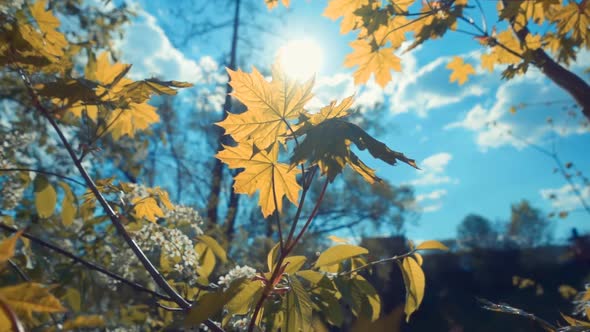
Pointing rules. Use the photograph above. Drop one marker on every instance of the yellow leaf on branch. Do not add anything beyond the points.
(7, 247)
(262, 172)
(345, 8)
(270, 105)
(27, 298)
(415, 283)
(369, 61)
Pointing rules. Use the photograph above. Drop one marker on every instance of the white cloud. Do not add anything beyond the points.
(432, 208)
(437, 162)
(432, 196)
(565, 198)
(419, 89)
(433, 169)
(432, 174)
(494, 125)
(146, 46)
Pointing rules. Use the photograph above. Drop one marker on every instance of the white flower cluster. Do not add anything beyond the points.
(125, 264)
(184, 216)
(582, 302)
(6, 6)
(236, 273)
(204, 327)
(11, 193)
(137, 191)
(241, 324)
(172, 243)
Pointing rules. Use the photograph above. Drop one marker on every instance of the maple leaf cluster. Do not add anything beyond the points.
(382, 27)
(275, 118)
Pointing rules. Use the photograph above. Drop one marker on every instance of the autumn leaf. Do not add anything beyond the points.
(68, 205)
(127, 121)
(83, 322)
(575, 19)
(143, 90)
(45, 197)
(338, 253)
(54, 41)
(271, 4)
(332, 111)
(415, 283)
(27, 298)
(369, 61)
(431, 245)
(345, 8)
(262, 172)
(109, 74)
(327, 144)
(460, 70)
(7, 247)
(270, 105)
(147, 208)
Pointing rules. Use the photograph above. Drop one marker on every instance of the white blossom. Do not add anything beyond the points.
(236, 273)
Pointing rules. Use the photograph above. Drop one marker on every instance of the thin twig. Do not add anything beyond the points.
(86, 263)
(40, 171)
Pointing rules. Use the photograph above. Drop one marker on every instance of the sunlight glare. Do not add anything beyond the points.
(301, 58)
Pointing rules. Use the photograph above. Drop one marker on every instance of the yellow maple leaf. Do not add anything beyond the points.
(505, 54)
(345, 8)
(333, 111)
(127, 121)
(27, 298)
(575, 19)
(270, 105)
(7, 247)
(487, 61)
(262, 172)
(533, 42)
(393, 32)
(379, 62)
(54, 41)
(271, 4)
(106, 73)
(147, 207)
(460, 70)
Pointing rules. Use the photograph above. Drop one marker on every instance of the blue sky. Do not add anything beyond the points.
(468, 166)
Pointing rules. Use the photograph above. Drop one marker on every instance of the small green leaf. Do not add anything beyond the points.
(45, 197)
(431, 245)
(215, 247)
(337, 254)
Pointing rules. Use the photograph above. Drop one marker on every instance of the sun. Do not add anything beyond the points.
(301, 58)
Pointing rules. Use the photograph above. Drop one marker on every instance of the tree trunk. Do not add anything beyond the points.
(218, 168)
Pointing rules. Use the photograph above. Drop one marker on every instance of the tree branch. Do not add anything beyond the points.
(86, 263)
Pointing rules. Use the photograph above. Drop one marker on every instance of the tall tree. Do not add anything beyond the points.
(528, 227)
